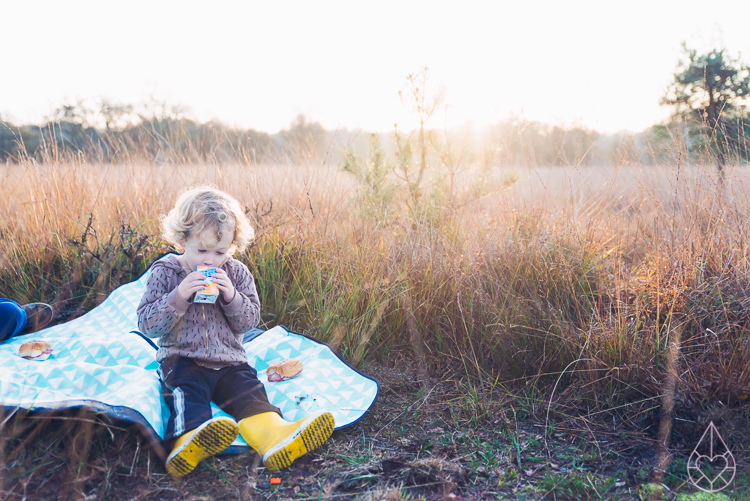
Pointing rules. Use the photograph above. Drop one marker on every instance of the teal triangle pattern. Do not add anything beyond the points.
(96, 357)
(326, 382)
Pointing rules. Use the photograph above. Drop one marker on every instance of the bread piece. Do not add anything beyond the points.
(286, 369)
(35, 350)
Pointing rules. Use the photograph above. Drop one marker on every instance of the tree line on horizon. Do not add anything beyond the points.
(710, 123)
(114, 133)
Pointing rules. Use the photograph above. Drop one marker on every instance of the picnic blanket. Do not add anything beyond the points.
(101, 361)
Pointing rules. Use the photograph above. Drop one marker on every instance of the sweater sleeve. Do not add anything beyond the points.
(243, 311)
(160, 309)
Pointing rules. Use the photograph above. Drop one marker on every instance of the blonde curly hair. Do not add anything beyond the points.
(206, 207)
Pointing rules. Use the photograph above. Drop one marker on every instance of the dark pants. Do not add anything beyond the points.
(189, 389)
(12, 319)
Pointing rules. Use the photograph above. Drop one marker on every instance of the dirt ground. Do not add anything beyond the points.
(432, 440)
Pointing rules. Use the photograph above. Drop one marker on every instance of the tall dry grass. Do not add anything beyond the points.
(572, 275)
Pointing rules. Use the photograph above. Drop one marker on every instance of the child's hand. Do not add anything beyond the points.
(194, 282)
(221, 279)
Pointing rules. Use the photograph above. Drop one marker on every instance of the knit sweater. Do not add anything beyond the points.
(210, 334)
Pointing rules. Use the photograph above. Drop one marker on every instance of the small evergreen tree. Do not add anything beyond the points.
(377, 191)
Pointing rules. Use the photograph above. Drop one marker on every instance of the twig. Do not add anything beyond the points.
(135, 456)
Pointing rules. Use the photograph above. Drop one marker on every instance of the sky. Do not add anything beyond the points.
(600, 64)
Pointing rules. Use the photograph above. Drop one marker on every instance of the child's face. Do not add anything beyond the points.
(198, 253)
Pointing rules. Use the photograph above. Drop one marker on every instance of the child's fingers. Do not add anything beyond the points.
(220, 280)
(223, 286)
(186, 290)
(196, 284)
(192, 284)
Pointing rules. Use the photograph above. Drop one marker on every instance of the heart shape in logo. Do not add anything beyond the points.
(712, 468)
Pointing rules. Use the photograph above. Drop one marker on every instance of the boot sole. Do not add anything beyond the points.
(38, 316)
(210, 438)
(312, 433)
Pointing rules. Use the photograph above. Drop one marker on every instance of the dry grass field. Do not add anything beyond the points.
(538, 341)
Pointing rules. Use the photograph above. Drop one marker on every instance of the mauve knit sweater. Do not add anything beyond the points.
(210, 334)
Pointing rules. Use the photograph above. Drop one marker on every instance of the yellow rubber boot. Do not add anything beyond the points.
(280, 442)
(194, 446)
(179, 441)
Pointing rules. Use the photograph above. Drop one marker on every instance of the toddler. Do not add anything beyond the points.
(201, 358)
